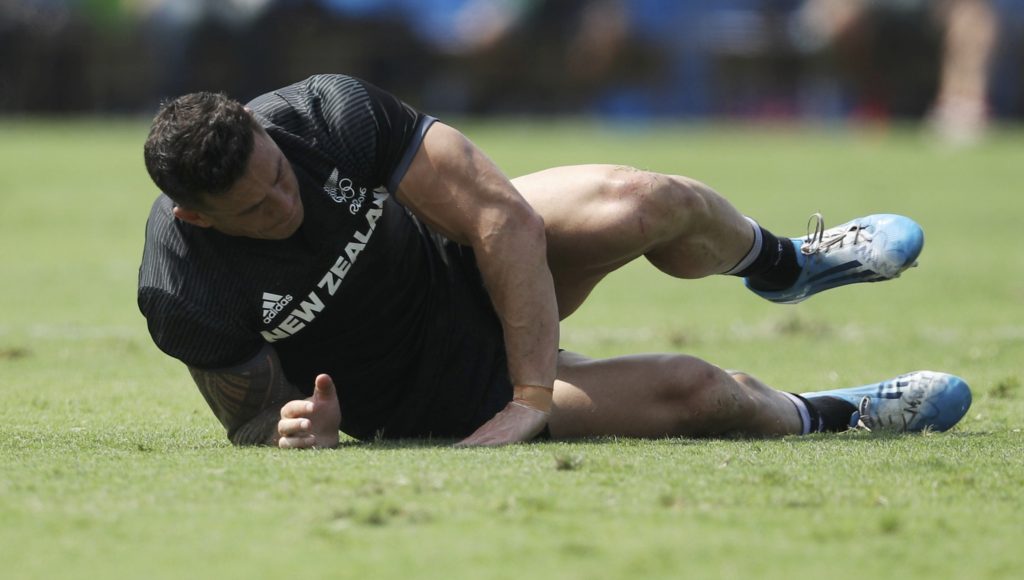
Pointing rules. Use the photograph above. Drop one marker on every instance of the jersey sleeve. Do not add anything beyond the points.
(191, 335)
(358, 125)
(183, 317)
(401, 129)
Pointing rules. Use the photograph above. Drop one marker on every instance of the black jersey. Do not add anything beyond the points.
(363, 291)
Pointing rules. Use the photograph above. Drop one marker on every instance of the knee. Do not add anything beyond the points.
(742, 378)
(663, 205)
(704, 399)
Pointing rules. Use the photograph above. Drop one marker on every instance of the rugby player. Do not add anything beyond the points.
(326, 258)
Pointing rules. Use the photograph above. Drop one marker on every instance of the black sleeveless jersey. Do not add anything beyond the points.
(363, 291)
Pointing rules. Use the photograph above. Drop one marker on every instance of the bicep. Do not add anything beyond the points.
(457, 190)
(252, 391)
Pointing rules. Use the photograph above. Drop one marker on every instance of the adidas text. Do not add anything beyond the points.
(273, 304)
(308, 309)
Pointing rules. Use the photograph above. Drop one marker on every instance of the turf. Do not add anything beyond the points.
(112, 467)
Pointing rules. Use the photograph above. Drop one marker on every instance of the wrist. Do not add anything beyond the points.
(535, 397)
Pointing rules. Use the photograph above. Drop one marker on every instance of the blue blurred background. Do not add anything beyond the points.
(955, 61)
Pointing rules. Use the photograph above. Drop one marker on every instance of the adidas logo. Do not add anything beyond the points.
(273, 304)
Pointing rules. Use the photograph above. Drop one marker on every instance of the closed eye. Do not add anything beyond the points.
(277, 179)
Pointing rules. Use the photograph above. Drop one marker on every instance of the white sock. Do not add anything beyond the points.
(801, 407)
(755, 250)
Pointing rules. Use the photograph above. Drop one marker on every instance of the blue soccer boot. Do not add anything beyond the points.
(911, 402)
(868, 249)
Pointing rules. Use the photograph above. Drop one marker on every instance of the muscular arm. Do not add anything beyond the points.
(247, 398)
(452, 186)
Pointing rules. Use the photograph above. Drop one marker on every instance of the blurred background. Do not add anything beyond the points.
(955, 64)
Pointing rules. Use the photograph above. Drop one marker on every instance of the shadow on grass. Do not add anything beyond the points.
(442, 443)
(190, 440)
(815, 438)
(882, 435)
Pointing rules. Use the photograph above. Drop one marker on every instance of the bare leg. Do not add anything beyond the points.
(663, 395)
(600, 217)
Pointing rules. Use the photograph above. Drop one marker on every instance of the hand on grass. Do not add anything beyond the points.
(311, 422)
(515, 423)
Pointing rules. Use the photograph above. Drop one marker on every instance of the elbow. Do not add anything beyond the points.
(250, 435)
(513, 224)
(526, 224)
(514, 233)
(237, 440)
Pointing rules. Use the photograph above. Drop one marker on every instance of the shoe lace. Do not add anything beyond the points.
(860, 426)
(860, 420)
(821, 240)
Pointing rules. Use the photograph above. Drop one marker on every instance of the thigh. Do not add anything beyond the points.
(591, 223)
(585, 211)
(644, 396)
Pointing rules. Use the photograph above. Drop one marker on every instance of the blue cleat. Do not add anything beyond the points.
(868, 249)
(911, 402)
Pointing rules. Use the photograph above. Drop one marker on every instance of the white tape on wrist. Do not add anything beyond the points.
(533, 396)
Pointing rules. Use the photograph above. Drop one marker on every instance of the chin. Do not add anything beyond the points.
(286, 230)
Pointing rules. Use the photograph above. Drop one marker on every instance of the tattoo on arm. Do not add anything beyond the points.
(247, 398)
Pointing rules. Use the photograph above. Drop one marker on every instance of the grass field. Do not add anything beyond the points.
(111, 466)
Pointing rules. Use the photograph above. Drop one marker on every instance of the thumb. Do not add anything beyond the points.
(324, 388)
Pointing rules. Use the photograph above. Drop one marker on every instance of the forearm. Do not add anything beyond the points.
(514, 267)
(458, 191)
(260, 430)
(453, 187)
(247, 398)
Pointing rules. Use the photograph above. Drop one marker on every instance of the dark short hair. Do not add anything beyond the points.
(199, 145)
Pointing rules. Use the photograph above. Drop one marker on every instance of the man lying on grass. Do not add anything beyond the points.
(327, 258)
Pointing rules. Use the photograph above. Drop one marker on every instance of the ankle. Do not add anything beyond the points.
(776, 266)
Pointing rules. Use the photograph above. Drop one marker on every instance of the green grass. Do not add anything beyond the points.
(112, 467)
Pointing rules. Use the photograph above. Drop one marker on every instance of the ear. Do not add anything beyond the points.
(191, 217)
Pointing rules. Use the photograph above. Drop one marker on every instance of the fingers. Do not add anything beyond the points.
(483, 440)
(515, 423)
(311, 422)
(323, 388)
(295, 434)
(304, 442)
(294, 427)
(328, 407)
(296, 409)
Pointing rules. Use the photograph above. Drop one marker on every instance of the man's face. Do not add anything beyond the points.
(264, 203)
